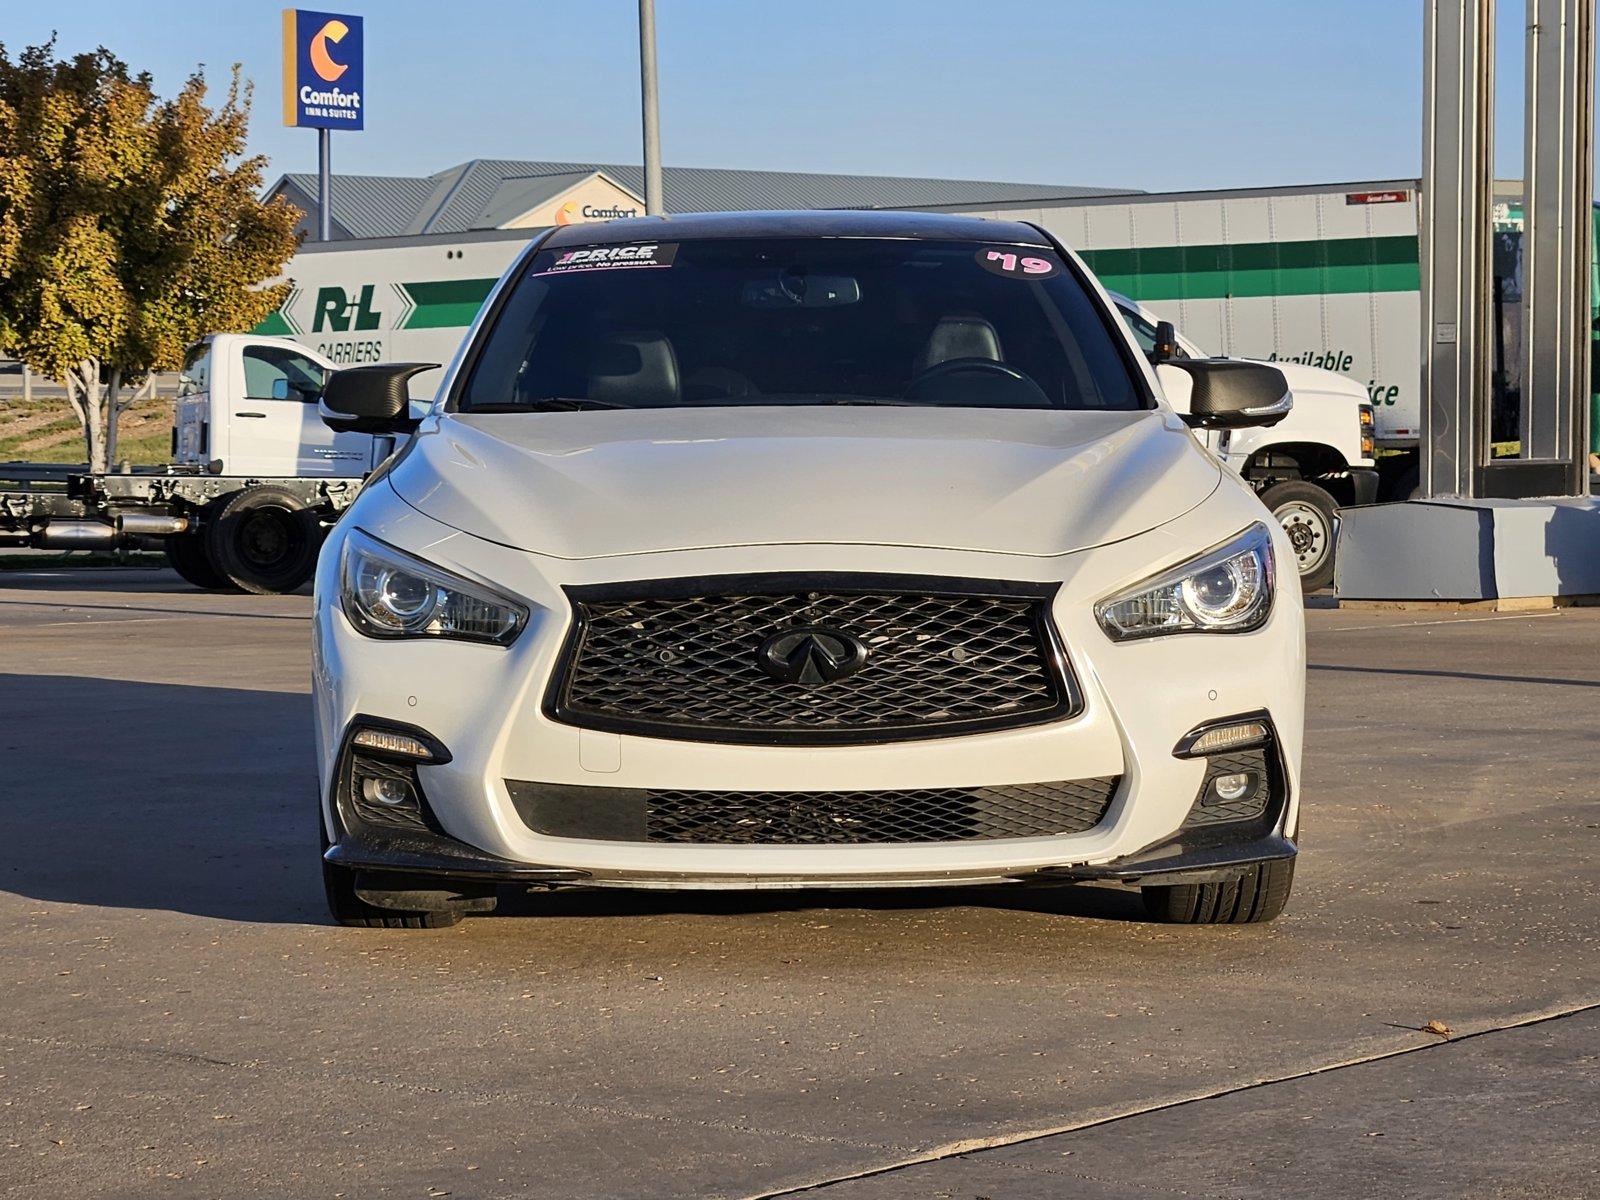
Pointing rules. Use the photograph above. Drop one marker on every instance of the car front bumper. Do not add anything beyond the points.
(485, 704)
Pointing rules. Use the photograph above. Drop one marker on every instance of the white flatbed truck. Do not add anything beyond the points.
(255, 480)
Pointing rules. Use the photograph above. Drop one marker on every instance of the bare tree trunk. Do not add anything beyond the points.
(73, 383)
(114, 407)
(93, 413)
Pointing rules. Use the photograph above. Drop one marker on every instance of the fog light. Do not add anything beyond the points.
(387, 790)
(1233, 787)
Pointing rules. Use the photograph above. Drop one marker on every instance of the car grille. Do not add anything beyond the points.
(949, 657)
(850, 818)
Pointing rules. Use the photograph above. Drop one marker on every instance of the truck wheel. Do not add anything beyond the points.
(264, 539)
(1306, 513)
(186, 554)
(1258, 896)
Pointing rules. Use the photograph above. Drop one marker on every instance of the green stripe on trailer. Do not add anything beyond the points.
(445, 303)
(1339, 265)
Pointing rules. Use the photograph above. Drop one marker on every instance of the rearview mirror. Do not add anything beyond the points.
(793, 289)
(1228, 394)
(371, 399)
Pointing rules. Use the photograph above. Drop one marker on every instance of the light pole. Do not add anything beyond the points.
(652, 112)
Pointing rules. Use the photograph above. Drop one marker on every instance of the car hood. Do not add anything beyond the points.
(596, 484)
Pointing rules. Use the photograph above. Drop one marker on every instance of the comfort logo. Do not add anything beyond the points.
(322, 62)
(323, 70)
(567, 213)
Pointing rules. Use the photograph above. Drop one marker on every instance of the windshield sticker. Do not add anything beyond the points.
(1015, 265)
(609, 258)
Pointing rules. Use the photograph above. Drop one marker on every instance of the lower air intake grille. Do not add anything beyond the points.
(815, 818)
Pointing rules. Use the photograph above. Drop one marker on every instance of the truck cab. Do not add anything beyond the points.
(1318, 457)
(247, 406)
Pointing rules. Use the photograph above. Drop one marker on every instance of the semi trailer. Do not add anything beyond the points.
(412, 299)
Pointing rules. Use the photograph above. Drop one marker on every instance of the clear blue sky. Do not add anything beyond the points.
(1163, 94)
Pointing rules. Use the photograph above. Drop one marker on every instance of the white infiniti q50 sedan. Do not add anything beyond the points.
(778, 550)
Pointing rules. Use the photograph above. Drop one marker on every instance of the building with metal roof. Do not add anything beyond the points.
(486, 194)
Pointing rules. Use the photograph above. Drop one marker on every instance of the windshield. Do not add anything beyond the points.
(798, 321)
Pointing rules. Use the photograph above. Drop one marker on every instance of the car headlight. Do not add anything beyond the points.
(387, 593)
(1228, 589)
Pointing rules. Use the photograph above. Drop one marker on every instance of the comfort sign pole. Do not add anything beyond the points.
(323, 86)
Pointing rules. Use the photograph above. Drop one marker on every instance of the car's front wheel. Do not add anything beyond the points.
(1259, 895)
(348, 908)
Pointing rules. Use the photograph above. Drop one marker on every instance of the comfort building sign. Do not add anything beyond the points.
(323, 70)
(569, 201)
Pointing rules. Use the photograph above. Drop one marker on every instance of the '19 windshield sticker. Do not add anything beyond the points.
(609, 258)
(1014, 264)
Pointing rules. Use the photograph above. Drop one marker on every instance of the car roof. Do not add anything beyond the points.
(805, 223)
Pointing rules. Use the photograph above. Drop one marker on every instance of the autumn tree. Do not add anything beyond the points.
(129, 226)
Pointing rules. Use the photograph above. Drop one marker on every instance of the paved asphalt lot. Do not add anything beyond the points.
(177, 1019)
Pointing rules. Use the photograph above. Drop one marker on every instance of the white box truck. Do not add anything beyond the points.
(1324, 275)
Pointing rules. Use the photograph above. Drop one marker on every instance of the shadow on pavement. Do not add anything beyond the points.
(200, 800)
(159, 796)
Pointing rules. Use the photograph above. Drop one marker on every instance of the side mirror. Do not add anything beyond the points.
(371, 399)
(1228, 394)
(1166, 345)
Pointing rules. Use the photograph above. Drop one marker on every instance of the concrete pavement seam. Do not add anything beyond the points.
(977, 1145)
(163, 614)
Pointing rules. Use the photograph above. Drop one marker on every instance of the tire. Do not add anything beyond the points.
(347, 908)
(1307, 514)
(264, 540)
(1257, 897)
(186, 554)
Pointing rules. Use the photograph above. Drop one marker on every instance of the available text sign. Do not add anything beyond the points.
(322, 70)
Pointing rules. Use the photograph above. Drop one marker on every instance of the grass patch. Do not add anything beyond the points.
(46, 431)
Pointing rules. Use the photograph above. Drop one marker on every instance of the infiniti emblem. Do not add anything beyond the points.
(811, 654)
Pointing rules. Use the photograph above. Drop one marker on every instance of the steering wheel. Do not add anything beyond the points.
(964, 366)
